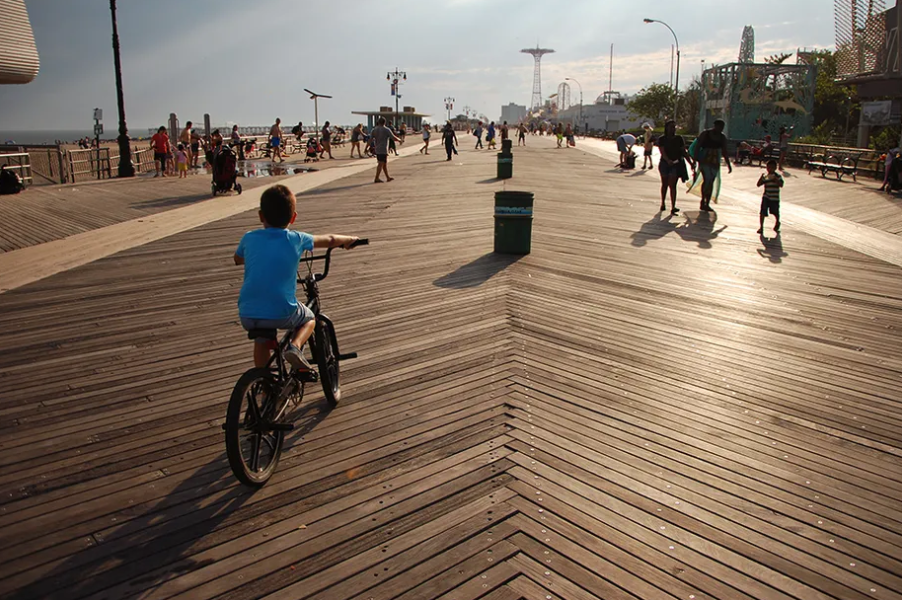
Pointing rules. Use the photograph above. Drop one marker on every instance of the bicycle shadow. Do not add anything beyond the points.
(154, 543)
(773, 248)
(306, 417)
(477, 272)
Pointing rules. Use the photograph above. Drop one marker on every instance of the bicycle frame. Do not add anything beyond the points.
(311, 289)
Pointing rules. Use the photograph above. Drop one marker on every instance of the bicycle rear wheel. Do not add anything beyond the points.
(252, 448)
(327, 360)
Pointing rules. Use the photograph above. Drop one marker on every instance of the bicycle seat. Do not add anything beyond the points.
(255, 334)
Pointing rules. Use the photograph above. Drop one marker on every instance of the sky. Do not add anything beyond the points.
(248, 61)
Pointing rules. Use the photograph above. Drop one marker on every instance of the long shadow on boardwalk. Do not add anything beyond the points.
(151, 548)
(173, 201)
(158, 544)
(773, 248)
(477, 272)
(695, 227)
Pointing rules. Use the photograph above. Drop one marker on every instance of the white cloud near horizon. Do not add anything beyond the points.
(222, 56)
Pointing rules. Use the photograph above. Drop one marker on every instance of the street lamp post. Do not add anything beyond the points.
(449, 105)
(676, 90)
(315, 97)
(396, 77)
(126, 168)
(580, 99)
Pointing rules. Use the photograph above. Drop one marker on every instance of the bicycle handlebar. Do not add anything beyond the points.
(328, 258)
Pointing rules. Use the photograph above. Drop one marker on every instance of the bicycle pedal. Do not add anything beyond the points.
(281, 426)
(307, 376)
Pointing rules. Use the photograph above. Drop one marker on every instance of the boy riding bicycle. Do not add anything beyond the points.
(271, 256)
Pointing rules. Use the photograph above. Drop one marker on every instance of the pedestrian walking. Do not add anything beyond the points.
(326, 137)
(181, 158)
(478, 133)
(392, 147)
(381, 136)
(490, 135)
(568, 135)
(707, 150)
(275, 141)
(185, 139)
(770, 201)
(888, 168)
(672, 165)
(521, 134)
(356, 134)
(505, 133)
(426, 135)
(649, 144)
(160, 144)
(784, 144)
(449, 139)
(402, 133)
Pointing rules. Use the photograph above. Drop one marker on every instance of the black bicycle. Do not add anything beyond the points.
(256, 420)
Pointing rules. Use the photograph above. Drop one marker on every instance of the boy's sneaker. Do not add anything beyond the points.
(295, 358)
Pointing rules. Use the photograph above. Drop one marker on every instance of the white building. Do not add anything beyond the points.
(513, 113)
(604, 115)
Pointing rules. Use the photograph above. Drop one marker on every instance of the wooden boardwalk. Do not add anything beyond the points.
(644, 407)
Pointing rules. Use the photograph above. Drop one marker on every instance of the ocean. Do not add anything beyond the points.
(50, 136)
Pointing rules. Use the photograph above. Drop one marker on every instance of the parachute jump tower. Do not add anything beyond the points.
(747, 47)
(537, 54)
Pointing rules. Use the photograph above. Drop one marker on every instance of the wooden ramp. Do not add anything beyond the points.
(644, 407)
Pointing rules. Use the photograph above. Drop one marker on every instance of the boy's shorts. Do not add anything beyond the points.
(770, 207)
(301, 316)
(183, 166)
(647, 152)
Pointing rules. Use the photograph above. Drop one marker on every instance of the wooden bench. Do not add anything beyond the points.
(761, 158)
(838, 164)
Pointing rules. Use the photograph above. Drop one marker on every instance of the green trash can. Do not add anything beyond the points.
(505, 165)
(513, 222)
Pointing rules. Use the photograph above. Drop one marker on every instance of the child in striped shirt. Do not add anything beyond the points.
(770, 202)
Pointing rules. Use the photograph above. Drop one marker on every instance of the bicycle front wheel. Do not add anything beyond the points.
(253, 449)
(327, 360)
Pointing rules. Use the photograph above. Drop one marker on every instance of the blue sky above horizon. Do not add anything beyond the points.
(248, 61)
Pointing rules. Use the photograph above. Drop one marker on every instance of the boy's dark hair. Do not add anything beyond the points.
(381, 121)
(181, 146)
(771, 163)
(278, 205)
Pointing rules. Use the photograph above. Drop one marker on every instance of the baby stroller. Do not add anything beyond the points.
(313, 150)
(630, 162)
(225, 171)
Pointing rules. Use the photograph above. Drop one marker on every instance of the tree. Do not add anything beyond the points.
(834, 104)
(654, 102)
(778, 59)
(691, 105)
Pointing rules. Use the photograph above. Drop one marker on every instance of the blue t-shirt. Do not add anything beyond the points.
(271, 256)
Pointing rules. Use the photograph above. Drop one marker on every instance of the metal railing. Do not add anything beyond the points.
(20, 164)
(93, 163)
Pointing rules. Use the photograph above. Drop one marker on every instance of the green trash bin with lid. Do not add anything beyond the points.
(505, 165)
(513, 222)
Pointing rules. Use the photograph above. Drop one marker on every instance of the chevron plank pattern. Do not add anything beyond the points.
(642, 408)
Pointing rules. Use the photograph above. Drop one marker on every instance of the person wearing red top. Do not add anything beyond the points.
(160, 144)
